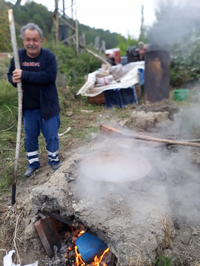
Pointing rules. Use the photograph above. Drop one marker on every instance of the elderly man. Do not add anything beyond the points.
(40, 98)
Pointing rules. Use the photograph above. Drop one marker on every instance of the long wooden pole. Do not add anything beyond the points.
(97, 56)
(20, 95)
(167, 141)
(112, 132)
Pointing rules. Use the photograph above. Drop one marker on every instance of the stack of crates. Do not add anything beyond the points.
(121, 97)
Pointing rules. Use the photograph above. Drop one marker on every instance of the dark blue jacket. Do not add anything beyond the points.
(45, 78)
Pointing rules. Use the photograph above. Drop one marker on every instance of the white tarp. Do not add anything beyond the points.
(125, 77)
(7, 260)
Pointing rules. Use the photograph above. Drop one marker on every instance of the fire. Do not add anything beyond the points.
(81, 233)
(98, 260)
(80, 262)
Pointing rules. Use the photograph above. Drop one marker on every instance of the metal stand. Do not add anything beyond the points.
(68, 22)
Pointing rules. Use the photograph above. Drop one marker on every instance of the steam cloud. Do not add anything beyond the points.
(178, 19)
(170, 187)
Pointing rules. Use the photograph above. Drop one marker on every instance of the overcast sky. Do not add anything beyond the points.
(121, 16)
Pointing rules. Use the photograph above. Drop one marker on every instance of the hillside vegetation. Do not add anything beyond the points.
(39, 14)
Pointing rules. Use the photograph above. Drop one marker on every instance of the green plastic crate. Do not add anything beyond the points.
(181, 94)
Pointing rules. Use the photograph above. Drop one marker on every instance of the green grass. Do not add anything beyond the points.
(162, 261)
(166, 261)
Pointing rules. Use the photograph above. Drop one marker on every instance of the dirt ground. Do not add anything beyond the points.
(172, 188)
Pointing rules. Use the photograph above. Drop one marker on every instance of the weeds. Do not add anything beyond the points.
(166, 261)
(168, 236)
(162, 261)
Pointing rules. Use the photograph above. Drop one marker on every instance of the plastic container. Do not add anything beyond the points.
(112, 98)
(181, 94)
(141, 76)
(90, 246)
(124, 60)
(120, 97)
(128, 96)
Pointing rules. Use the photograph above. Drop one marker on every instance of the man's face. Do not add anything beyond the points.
(32, 42)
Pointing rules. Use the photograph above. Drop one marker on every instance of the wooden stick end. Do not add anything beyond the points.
(10, 12)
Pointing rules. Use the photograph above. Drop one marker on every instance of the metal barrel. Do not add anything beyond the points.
(157, 76)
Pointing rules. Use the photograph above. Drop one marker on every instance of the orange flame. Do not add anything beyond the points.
(80, 262)
(97, 261)
(81, 233)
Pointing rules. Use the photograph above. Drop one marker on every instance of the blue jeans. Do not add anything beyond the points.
(33, 123)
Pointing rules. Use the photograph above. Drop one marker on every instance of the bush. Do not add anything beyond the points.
(185, 63)
(71, 67)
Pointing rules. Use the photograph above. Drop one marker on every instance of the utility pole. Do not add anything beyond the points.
(142, 22)
(77, 38)
(68, 20)
(63, 8)
(56, 21)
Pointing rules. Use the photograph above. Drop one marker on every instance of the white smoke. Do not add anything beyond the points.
(128, 171)
(177, 20)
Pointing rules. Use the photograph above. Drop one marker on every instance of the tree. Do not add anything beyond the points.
(111, 39)
(39, 14)
(36, 13)
(123, 45)
(5, 43)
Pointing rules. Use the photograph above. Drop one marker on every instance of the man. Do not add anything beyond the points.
(40, 98)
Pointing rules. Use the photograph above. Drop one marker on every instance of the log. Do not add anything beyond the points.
(97, 56)
(20, 95)
(167, 141)
(112, 132)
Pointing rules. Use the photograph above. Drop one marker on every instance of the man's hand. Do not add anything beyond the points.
(17, 73)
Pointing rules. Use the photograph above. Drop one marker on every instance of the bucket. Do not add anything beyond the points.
(181, 94)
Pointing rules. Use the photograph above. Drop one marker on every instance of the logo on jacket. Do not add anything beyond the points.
(31, 64)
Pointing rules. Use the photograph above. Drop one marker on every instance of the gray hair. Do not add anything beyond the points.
(31, 26)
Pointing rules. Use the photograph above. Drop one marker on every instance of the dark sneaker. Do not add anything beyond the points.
(55, 166)
(30, 171)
